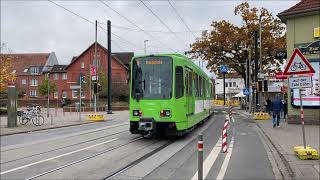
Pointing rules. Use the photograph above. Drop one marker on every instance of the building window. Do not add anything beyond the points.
(64, 76)
(230, 84)
(179, 82)
(55, 95)
(82, 95)
(34, 82)
(234, 84)
(25, 70)
(82, 65)
(56, 76)
(64, 94)
(74, 93)
(23, 81)
(226, 84)
(33, 93)
(34, 70)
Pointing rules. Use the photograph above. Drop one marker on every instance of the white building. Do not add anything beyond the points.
(234, 85)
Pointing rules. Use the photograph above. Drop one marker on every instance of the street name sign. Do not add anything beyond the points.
(224, 69)
(298, 64)
(300, 82)
(246, 91)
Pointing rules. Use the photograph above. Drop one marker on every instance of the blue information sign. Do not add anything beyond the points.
(246, 91)
(224, 69)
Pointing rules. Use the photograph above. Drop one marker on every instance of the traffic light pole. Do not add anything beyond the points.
(96, 68)
(80, 98)
(256, 57)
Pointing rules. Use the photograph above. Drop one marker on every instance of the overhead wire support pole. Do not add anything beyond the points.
(109, 69)
(260, 56)
(95, 63)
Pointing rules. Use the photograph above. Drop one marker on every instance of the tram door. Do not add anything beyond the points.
(189, 96)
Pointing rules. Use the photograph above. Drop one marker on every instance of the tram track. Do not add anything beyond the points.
(71, 145)
(19, 146)
(103, 152)
(138, 160)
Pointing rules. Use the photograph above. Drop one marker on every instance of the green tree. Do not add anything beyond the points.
(43, 88)
(225, 43)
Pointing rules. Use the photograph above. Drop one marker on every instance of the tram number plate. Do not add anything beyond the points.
(146, 126)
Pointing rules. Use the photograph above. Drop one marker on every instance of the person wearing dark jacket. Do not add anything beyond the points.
(285, 109)
(276, 108)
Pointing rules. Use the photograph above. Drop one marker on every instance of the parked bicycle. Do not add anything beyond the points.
(31, 114)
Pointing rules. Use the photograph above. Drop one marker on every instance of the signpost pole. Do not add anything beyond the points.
(224, 89)
(302, 120)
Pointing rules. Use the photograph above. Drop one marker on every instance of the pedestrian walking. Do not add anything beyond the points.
(276, 108)
(285, 109)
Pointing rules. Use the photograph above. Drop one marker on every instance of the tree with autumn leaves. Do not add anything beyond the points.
(226, 42)
(5, 75)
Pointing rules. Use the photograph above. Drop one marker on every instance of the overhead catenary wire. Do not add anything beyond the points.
(134, 24)
(161, 21)
(181, 19)
(85, 19)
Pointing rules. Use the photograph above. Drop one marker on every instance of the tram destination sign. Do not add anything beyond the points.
(300, 82)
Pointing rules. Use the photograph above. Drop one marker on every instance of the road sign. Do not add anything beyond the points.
(93, 70)
(224, 69)
(246, 91)
(298, 64)
(300, 82)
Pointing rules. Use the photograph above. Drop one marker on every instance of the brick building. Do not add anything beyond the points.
(28, 69)
(66, 77)
(31, 69)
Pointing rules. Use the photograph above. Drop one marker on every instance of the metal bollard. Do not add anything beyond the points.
(200, 156)
(51, 119)
(55, 112)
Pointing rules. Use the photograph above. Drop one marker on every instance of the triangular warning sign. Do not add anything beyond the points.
(298, 64)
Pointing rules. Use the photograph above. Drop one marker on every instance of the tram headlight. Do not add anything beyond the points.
(137, 113)
(165, 113)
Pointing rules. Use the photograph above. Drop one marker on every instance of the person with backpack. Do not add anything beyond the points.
(276, 108)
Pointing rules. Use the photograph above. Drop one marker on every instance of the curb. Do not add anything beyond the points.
(55, 127)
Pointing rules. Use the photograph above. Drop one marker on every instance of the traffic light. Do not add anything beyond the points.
(265, 85)
(259, 86)
(95, 88)
(82, 78)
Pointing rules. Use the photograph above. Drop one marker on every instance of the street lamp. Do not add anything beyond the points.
(145, 46)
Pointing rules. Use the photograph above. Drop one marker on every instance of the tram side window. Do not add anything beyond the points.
(201, 86)
(179, 82)
(196, 86)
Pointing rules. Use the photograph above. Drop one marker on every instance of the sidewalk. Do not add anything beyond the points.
(59, 120)
(288, 136)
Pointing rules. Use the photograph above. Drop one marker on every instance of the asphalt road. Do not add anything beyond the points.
(96, 151)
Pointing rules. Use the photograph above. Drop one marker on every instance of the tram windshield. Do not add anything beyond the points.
(152, 78)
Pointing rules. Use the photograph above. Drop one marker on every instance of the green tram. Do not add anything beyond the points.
(169, 95)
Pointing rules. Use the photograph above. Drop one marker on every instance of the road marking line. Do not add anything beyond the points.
(49, 159)
(224, 166)
(210, 160)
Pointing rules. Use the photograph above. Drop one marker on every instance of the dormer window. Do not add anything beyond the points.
(14, 71)
(25, 70)
(34, 70)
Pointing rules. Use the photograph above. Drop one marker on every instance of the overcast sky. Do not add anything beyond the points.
(42, 26)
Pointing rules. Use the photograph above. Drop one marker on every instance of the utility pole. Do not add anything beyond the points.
(249, 79)
(256, 56)
(109, 69)
(260, 57)
(96, 68)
